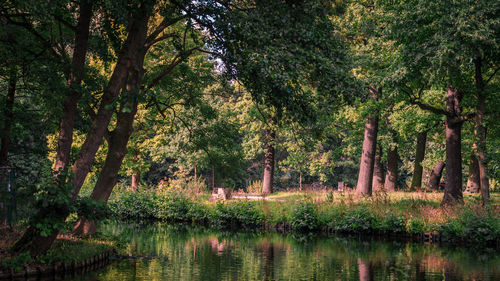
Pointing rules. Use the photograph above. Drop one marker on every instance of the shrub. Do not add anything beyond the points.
(304, 217)
(415, 226)
(134, 205)
(392, 223)
(243, 214)
(173, 206)
(355, 220)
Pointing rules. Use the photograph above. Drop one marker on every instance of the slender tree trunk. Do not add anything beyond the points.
(416, 180)
(267, 182)
(300, 180)
(473, 183)
(480, 132)
(365, 177)
(32, 240)
(136, 180)
(73, 83)
(9, 117)
(133, 45)
(436, 175)
(391, 176)
(195, 173)
(453, 188)
(378, 171)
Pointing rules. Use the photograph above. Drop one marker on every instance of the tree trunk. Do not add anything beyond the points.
(73, 83)
(117, 148)
(480, 132)
(32, 240)
(136, 179)
(453, 187)
(378, 171)
(267, 182)
(126, 59)
(436, 175)
(300, 180)
(391, 176)
(9, 117)
(473, 183)
(365, 177)
(416, 180)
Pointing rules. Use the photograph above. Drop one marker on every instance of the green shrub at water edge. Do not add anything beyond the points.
(356, 220)
(304, 217)
(135, 205)
(475, 228)
(392, 223)
(243, 214)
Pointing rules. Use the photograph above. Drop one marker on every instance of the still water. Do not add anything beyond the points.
(170, 252)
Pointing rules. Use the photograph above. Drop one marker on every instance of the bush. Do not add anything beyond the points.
(356, 220)
(415, 226)
(243, 214)
(392, 223)
(135, 205)
(304, 217)
(173, 206)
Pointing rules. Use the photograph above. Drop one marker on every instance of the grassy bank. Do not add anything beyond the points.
(66, 249)
(396, 213)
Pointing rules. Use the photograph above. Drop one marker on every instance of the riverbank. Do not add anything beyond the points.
(403, 214)
(68, 255)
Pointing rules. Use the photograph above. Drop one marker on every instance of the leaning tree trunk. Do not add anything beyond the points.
(365, 176)
(416, 180)
(117, 146)
(73, 83)
(435, 176)
(32, 240)
(267, 182)
(9, 117)
(473, 183)
(453, 187)
(378, 171)
(133, 45)
(480, 132)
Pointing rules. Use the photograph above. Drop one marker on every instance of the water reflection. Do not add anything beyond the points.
(167, 252)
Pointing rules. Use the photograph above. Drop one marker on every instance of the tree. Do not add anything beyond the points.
(437, 44)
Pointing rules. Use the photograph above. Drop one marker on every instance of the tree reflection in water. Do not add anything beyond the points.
(172, 252)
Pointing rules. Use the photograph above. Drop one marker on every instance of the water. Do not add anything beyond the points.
(169, 252)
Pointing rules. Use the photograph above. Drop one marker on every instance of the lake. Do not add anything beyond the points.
(177, 252)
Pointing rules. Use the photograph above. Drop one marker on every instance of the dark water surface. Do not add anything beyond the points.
(169, 252)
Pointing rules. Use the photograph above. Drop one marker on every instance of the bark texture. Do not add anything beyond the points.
(127, 58)
(436, 175)
(473, 183)
(416, 180)
(73, 82)
(267, 181)
(453, 188)
(391, 176)
(136, 180)
(480, 132)
(365, 176)
(378, 171)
